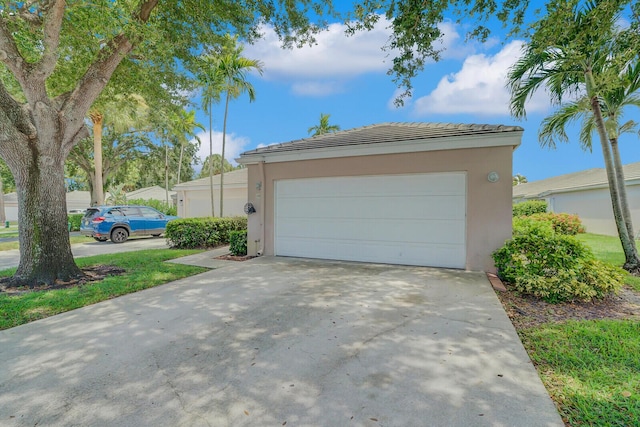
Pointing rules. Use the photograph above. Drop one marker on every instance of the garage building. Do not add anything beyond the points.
(426, 194)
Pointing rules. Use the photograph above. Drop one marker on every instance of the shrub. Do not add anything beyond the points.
(562, 223)
(554, 267)
(238, 242)
(159, 205)
(74, 221)
(529, 207)
(191, 233)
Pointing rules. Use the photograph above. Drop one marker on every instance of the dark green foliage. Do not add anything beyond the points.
(552, 266)
(238, 242)
(156, 204)
(191, 233)
(74, 221)
(529, 207)
(562, 223)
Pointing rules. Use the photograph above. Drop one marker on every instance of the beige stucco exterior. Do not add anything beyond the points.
(488, 204)
(593, 206)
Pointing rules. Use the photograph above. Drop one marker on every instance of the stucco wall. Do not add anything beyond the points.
(488, 204)
(594, 208)
(197, 203)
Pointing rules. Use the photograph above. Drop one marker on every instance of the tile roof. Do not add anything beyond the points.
(582, 180)
(381, 133)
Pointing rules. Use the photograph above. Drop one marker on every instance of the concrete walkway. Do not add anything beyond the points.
(277, 341)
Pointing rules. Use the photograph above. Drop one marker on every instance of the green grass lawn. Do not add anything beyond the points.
(5, 246)
(609, 249)
(591, 368)
(144, 269)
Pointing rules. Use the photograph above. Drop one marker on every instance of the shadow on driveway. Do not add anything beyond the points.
(273, 341)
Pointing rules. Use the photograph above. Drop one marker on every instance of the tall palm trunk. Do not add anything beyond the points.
(224, 136)
(622, 188)
(213, 213)
(180, 161)
(97, 196)
(166, 173)
(632, 262)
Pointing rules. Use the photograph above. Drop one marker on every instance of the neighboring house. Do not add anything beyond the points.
(76, 201)
(585, 194)
(156, 192)
(194, 197)
(427, 194)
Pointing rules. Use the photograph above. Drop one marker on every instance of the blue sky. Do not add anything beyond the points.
(346, 78)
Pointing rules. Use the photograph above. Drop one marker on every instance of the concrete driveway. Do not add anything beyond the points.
(276, 341)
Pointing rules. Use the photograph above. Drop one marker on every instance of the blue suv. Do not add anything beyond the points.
(119, 222)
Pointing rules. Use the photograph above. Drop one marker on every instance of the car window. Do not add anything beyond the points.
(149, 212)
(91, 212)
(115, 212)
(131, 211)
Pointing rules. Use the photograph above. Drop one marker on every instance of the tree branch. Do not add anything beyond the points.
(51, 40)
(10, 55)
(98, 74)
(18, 116)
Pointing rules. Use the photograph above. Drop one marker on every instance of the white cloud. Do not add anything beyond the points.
(325, 67)
(234, 145)
(479, 87)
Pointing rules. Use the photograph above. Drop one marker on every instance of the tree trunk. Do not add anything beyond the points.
(632, 263)
(166, 173)
(180, 161)
(97, 196)
(224, 135)
(213, 212)
(622, 188)
(3, 216)
(45, 251)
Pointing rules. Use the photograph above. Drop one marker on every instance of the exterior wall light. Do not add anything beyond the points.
(493, 177)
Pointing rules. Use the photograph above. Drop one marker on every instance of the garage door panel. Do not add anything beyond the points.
(440, 231)
(440, 255)
(417, 219)
(399, 207)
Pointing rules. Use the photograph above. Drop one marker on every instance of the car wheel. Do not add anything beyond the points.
(100, 239)
(119, 235)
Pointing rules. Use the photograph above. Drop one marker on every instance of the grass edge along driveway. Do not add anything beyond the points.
(591, 368)
(144, 269)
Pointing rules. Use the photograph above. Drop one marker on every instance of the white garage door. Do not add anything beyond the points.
(416, 219)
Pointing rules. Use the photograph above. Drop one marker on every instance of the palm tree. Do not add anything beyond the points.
(323, 127)
(231, 69)
(576, 58)
(122, 112)
(212, 88)
(184, 125)
(519, 179)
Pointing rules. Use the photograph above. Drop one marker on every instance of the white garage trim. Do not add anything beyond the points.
(416, 219)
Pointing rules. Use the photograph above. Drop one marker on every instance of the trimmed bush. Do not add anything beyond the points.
(74, 221)
(529, 207)
(238, 242)
(562, 223)
(191, 233)
(159, 205)
(554, 267)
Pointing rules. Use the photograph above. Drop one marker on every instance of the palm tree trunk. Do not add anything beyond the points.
(224, 136)
(213, 213)
(622, 188)
(166, 173)
(97, 197)
(180, 161)
(632, 263)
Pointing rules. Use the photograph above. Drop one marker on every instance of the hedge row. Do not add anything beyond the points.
(192, 233)
(74, 221)
(529, 207)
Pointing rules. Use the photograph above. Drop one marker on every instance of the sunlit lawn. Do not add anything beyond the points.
(591, 368)
(144, 269)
